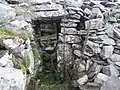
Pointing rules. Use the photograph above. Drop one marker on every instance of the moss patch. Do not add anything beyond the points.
(6, 33)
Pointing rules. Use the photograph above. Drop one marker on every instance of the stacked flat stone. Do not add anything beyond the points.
(97, 19)
(102, 50)
(46, 10)
(69, 35)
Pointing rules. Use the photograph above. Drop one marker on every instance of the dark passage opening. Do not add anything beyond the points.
(46, 34)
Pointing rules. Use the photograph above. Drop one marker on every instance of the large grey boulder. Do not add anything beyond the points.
(12, 79)
(6, 12)
(113, 83)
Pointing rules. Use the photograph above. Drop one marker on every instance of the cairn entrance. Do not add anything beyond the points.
(46, 33)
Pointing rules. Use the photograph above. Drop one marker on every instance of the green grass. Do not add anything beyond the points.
(37, 55)
(6, 33)
(2, 52)
(22, 64)
(19, 64)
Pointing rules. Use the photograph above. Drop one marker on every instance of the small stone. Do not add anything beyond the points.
(75, 16)
(113, 83)
(112, 20)
(117, 63)
(102, 29)
(76, 46)
(69, 20)
(77, 53)
(81, 67)
(109, 29)
(71, 12)
(101, 33)
(89, 63)
(97, 12)
(114, 71)
(101, 78)
(106, 70)
(82, 80)
(101, 7)
(72, 39)
(115, 58)
(69, 25)
(94, 46)
(116, 31)
(68, 30)
(107, 52)
(106, 40)
(82, 32)
(94, 24)
(49, 48)
(87, 11)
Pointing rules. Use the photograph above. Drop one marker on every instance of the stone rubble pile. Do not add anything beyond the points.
(15, 45)
(100, 21)
(89, 28)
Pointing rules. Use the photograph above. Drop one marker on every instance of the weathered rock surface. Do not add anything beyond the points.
(115, 58)
(9, 79)
(107, 52)
(101, 78)
(7, 12)
(82, 80)
(113, 83)
(88, 28)
(114, 71)
(5, 61)
(94, 24)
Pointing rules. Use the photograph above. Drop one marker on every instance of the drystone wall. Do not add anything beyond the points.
(89, 38)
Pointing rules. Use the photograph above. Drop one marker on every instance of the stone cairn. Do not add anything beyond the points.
(89, 37)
